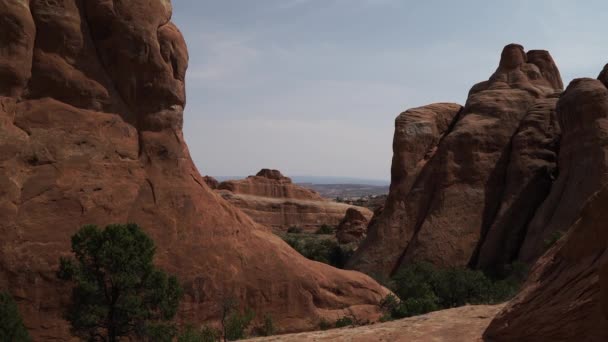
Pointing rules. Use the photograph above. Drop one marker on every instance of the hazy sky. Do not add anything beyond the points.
(312, 87)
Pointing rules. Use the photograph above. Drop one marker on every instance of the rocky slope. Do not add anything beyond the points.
(271, 199)
(566, 296)
(466, 181)
(91, 102)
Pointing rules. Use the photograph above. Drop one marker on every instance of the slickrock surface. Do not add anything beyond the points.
(91, 102)
(466, 181)
(463, 324)
(271, 199)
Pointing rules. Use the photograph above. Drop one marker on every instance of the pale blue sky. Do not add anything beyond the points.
(312, 87)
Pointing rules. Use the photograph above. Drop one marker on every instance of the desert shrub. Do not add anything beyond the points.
(294, 230)
(325, 229)
(324, 324)
(425, 288)
(206, 334)
(11, 324)
(345, 321)
(323, 250)
(553, 238)
(234, 322)
(267, 328)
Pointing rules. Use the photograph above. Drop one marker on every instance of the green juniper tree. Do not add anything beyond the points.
(11, 325)
(117, 290)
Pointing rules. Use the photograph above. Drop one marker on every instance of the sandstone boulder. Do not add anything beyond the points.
(353, 227)
(91, 101)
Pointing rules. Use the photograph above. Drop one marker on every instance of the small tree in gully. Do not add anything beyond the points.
(117, 290)
(11, 324)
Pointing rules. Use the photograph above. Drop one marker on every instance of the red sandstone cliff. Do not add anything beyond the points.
(91, 101)
(566, 295)
(466, 181)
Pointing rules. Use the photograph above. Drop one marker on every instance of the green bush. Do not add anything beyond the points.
(11, 324)
(345, 321)
(267, 329)
(322, 250)
(235, 322)
(294, 230)
(207, 334)
(425, 288)
(324, 325)
(325, 230)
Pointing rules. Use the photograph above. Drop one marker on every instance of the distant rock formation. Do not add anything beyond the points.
(467, 181)
(269, 183)
(271, 199)
(566, 295)
(211, 182)
(353, 227)
(91, 101)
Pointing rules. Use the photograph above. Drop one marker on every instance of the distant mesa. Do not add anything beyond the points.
(271, 199)
(272, 174)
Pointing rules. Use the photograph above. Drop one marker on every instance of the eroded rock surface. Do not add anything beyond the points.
(466, 181)
(271, 199)
(565, 297)
(353, 227)
(91, 100)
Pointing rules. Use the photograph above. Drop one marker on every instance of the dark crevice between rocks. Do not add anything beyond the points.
(152, 189)
(129, 116)
(24, 94)
(494, 195)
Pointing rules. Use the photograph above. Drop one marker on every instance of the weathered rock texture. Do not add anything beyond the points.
(91, 100)
(211, 182)
(566, 296)
(353, 227)
(466, 181)
(271, 199)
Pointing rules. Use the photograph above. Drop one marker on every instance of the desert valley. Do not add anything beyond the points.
(492, 228)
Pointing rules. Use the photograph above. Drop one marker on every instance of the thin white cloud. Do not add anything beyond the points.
(224, 55)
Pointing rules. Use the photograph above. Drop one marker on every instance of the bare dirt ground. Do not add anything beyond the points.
(463, 324)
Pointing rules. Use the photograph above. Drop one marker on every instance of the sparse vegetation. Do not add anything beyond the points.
(206, 334)
(234, 322)
(267, 329)
(117, 290)
(425, 288)
(323, 250)
(325, 229)
(345, 321)
(294, 230)
(324, 324)
(11, 324)
(553, 238)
